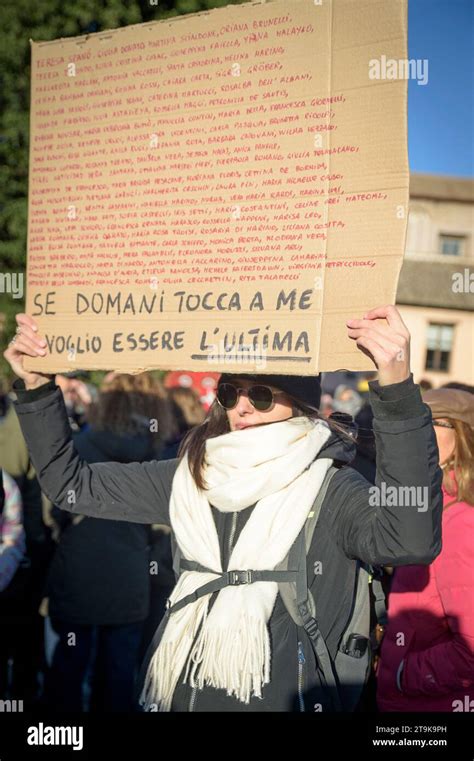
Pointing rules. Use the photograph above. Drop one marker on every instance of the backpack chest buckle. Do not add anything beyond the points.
(239, 577)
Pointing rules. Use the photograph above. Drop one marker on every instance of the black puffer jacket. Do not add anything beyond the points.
(349, 526)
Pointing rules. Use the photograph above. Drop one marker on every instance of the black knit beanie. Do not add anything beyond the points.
(302, 388)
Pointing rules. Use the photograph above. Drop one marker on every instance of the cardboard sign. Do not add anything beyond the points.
(220, 191)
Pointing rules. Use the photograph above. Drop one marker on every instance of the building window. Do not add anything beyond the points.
(452, 245)
(439, 345)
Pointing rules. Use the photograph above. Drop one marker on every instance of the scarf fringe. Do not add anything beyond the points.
(169, 658)
(236, 661)
(157, 693)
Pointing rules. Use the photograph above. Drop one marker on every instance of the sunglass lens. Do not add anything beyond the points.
(227, 395)
(261, 397)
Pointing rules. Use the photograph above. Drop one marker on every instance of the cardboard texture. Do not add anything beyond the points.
(219, 191)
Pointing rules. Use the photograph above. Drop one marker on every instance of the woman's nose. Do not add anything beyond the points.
(243, 403)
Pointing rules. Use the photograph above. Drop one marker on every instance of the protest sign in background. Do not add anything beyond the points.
(221, 190)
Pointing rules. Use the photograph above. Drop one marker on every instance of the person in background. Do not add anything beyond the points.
(25, 591)
(347, 400)
(78, 397)
(325, 406)
(187, 412)
(425, 385)
(12, 551)
(460, 386)
(349, 403)
(99, 580)
(427, 655)
(12, 535)
(330, 381)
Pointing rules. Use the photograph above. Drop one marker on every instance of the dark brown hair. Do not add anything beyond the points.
(187, 407)
(216, 424)
(128, 403)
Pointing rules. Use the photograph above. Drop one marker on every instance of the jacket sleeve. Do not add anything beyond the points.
(397, 521)
(449, 666)
(135, 492)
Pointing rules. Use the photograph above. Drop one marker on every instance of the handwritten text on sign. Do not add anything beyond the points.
(215, 188)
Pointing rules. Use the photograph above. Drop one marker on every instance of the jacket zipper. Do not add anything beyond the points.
(232, 533)
(301, 662)
(192, 700)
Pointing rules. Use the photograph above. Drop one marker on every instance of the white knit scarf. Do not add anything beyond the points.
(274, 466)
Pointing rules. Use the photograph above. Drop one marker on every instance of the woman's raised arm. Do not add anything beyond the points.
(136, 492)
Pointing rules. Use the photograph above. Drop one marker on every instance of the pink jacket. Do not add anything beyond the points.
(431, 626)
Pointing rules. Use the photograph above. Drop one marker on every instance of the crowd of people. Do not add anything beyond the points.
(105, 583)
(88, 572)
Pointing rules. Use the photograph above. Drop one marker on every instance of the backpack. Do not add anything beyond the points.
(344, 676)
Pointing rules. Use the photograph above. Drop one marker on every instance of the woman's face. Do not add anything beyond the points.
(245, 415)
(446, 439)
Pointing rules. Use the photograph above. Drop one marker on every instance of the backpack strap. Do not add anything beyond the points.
(225, 579)
(379, 597)
(313, 516)
(305, 603)
(296, 558)
(176, 555)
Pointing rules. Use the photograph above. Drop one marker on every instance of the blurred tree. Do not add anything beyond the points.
(22, 20)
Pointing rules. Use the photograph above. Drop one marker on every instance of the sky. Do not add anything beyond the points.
(440, 113)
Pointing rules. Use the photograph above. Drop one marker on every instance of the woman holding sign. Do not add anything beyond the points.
(270, 610)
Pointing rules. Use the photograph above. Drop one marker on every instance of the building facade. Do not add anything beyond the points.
(436, 287)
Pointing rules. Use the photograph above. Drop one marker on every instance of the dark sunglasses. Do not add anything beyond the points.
(441, 424)
(260, 397)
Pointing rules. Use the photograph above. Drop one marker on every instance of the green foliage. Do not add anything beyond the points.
(38, 20)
